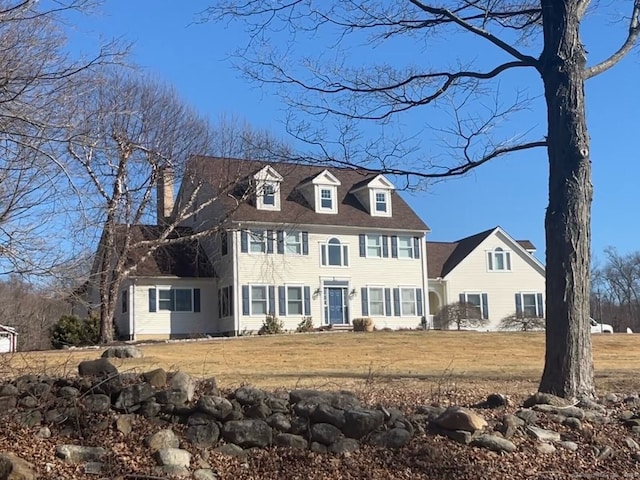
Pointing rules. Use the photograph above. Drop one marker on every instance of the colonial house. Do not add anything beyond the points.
(490, 270)
(290, 240)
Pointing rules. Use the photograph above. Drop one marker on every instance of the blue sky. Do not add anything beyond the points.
(510, 192)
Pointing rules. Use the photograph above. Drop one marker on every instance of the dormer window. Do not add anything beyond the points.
(499, 260)
(381, 202)
(269, 195)
(267, 189)
(326, 199)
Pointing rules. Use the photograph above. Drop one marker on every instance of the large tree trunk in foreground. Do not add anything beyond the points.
(568, 369)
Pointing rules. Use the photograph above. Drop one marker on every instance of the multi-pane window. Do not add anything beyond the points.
(257, 242)
(326, 199)
(374, 246)
(499, 260)
(269, 194)
(376, 301)
(259, 301)
(405, 247)
(408, 301)
(381, 202)
(175, 299)
(333, 253)
(294, 301)
(293, 243)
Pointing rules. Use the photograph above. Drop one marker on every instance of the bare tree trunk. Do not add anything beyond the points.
(568, 370)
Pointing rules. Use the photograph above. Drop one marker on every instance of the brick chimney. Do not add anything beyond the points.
(165, 195)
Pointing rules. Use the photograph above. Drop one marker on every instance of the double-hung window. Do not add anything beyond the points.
(408, 301)
(293, 243)
(269, 194)
(376, 301)
(405, 247)
(259, 300)
(478, 302)
(374, 246)
(334, 254)
(294, 301)
(381, 202)
(326, 199)
(257, 241)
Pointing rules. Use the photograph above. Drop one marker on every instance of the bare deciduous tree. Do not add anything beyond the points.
(129, 134)
(36, 81)
(459, 314)
(497, 39)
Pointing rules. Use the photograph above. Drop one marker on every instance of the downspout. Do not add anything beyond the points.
(425, 282)
(132, 309)
(237, 293)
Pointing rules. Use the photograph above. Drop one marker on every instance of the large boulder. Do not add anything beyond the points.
(460, 418)
(13, 467)
(97, 368)
(122, 351)
(247, 433)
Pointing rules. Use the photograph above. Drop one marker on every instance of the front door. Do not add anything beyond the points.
(335, 297)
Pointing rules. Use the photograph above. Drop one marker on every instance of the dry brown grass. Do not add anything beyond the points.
(510, 362)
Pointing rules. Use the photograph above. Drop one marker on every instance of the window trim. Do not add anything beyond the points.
(402, 302)
(251, 240)
(378, 246)
(173, 308)
(382, 301)
(344, 253)
(298, 243)
(538, 302)
(409, 248)
(266, 298)
(333, 198)
(492, 256)
(484, 307)
(287, 300)
(384, 202)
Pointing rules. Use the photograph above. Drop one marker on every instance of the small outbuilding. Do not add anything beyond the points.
(8, 339)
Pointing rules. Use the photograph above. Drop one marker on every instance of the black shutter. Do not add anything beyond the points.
(462, 299)
(307, 301)
(419, 301)
(152, 299)
(245, 300)
(518, 305)
(305, 243)
(231, 301)
(416, 247)
(282, 301)
(364, 295)
(362, 241)
(269, 241)
(387, 302)
(385, 246)
(485, 306)
(280, 242)
(244, 241)
(540, 305)
(196, 300)
(396, 302)
(394, 246)
(271, 308)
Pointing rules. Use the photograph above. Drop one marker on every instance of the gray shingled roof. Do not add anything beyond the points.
(294, 208)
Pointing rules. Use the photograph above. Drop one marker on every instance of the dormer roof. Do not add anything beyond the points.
(267, 173)
(377, 181)
(220, 173)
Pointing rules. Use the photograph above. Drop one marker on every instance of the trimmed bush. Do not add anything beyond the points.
(271, 326)
(363, 324)
(73, 331)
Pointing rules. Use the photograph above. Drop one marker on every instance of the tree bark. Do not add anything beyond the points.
(568, 370)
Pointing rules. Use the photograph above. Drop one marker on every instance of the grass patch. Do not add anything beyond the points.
(435, 360)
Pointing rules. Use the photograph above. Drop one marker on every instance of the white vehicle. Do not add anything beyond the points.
(600, 327)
